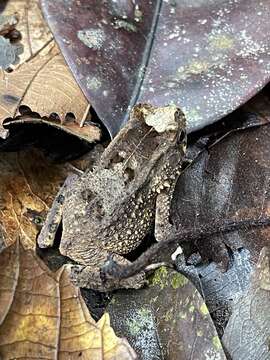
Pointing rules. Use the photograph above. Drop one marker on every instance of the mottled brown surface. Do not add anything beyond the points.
(110, 210)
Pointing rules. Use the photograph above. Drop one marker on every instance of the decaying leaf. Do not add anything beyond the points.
(46, 86)
(28, 185)
(208, 57)
(7, 23)
(169, 320)
(35, 34)
(230, 182)
(42, 82)
(246, 336)
(8, 53)
(43, 316)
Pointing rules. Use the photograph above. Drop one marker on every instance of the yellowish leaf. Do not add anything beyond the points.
(43, 315)
(28, 185)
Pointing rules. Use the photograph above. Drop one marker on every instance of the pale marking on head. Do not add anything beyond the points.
(162, 119)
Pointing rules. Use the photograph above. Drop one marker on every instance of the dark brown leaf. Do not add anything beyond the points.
(169, 320)
(247, 334)
(230, 182)
(206, 56)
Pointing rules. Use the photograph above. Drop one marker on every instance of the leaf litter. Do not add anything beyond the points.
(43, 315)
(24, 210)
(42, 83)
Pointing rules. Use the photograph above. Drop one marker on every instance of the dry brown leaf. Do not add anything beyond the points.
(46, 86)
(43, 316)
(34, 30)
(7, 24)
(28, 184)
(42, 81)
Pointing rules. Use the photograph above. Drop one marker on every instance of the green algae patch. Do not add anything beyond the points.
(168, 315)
(160, 278)
(216, 342)
(222, 42)
(183, 315)
(123, 24)
(178, 280)
(113, 301)
(140, 321)
(203, 310)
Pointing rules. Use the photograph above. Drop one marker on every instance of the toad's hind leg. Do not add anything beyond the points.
(47, 234)
(91, 277)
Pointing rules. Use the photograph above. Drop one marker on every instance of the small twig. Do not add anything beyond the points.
(125, 271)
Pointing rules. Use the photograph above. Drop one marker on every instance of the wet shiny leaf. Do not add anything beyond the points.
(209, 57)
(247, 334)
(230, 182)
(168, 320)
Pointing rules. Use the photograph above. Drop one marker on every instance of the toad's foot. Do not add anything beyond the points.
(47, 234)
(91, 278)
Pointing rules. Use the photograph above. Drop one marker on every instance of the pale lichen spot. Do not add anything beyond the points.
(138, 14)
(162, 119)
(222, 41)
(216, 343)
(93, 83)
(202, 21)
(141, 326)
(160, 277)
(178, 280)
(183, 315)
(92, 38)
(124, 24)
(192, 115)
(195, 67)
(204, 310)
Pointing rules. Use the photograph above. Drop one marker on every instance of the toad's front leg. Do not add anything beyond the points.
(47, 234)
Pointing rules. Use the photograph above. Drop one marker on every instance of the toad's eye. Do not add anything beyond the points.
(38, 220)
